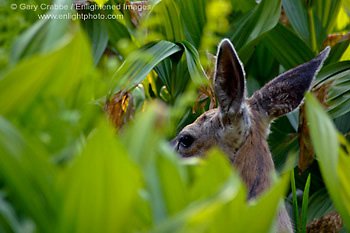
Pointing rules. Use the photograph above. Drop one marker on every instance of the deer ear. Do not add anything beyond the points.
(229, 82)
(284, 93)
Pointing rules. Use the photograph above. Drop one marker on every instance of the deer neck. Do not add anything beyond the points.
(254, 161)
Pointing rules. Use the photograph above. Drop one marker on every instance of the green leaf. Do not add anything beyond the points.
(295, 204)
(166, 20)
(320, 204)
(326, 145)
(339, 92)
(297, 16)
(142, 147)
(54, 74)
(194, 67)
(139, 63)
(250, 28)
(193, 11)
(343, 170)
(100, 188)
(244, 6)
(44, 34)
(57, 27)
(305, 205)
(287, 48)
(325, 14)
(29, 176)
(337, 51)
(98, 34)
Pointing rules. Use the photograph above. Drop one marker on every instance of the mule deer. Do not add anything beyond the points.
(239, 126)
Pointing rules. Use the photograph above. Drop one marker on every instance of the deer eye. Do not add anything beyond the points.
(186, 140)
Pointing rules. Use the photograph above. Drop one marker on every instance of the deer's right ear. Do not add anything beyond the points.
(229, 81)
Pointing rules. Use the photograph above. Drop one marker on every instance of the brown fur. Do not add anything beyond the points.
(239, 126)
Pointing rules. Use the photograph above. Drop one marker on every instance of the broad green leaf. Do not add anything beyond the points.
(193, 11)
(194, 67)
(173, 187)
(343, 170)
(100, 188)
(142, 146)
(247, 31)
(320, 204)
(337, 51)
(325, 141)
(29, 176)
(54, 74)
(139, 63)
(243, 6)
(213, 174)
(26, 44)
(165, 19)
(329, 72)
(339, 92)
(297, 16)
(287, 48)
(44, 35)
(325, 14)
(117, 29)
(98, 34)
(315, 23)
(57, 27)
(9, 221)
(264, 210)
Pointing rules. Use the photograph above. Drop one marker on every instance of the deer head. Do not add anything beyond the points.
(229, 126)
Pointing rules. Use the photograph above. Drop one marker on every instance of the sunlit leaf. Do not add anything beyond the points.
(54, 74)
(138, 64)
(325, 140)
(101, 201)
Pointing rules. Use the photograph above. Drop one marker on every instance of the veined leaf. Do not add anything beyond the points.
(343, 170)
(297, 16)
(98, 34)
(246, 32)
(287, 48)
(43, 35)
(325, 141)
(139, 63)
(104, 201)
(339, 91)
(29, 176)
(319, 205)
(167, 21)
(244, 6)
(54, 74)
(193, 11)
(325, 14)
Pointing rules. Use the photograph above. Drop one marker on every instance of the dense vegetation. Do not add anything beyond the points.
(65, 168)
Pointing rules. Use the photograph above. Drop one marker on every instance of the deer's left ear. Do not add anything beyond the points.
(284, 93)
(229, 81)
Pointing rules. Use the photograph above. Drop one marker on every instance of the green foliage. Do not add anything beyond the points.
(63, 168)
(333, 156)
